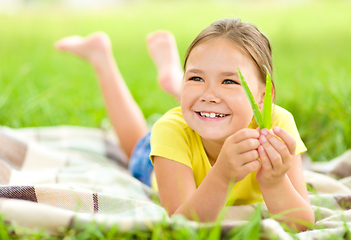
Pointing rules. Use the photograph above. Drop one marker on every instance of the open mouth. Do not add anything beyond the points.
(212, 115)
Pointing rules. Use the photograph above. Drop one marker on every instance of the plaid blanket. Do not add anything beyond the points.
(66, 176)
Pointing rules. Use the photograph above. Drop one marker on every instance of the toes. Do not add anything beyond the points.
(66, 42)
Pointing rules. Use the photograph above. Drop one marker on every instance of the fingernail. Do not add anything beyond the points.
(260, 148)
(262, 139)
(264, 132)
(276, 129)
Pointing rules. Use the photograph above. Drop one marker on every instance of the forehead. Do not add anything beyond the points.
(219, 52)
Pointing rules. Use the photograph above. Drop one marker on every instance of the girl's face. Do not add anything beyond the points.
(213, 101)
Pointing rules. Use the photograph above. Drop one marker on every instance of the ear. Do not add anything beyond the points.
(260, 102)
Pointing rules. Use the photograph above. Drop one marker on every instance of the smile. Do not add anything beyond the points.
(212, 115)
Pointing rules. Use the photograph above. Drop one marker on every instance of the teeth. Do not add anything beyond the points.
(211, 115)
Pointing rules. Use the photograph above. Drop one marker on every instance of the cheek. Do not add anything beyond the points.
(240, 105)
(239, 100)
(183, 98)
(185, 101)
(189, 94)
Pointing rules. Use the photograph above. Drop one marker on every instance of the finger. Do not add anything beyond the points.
(265, 162)
(248, 145)
(279, 145)
(273, 156)
(249, 156)
(287, 138)
(243, 134)
(251, 166)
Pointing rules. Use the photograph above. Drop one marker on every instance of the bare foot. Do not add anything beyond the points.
(91, 48)
(163, 50)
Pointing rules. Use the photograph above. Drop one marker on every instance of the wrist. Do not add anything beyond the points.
(275, 184)
(222, 176)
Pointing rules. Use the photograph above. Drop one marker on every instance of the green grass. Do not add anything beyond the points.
(162, 230)
(41, 87)
(311, 53)
(263, 119)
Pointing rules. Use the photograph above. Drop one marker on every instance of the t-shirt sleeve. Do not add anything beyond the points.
(287, 122)
(168, 140)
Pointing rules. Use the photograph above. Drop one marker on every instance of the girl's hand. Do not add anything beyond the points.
(238, 156)
(276, 156)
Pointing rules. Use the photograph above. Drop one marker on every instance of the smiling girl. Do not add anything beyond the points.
(210, 145)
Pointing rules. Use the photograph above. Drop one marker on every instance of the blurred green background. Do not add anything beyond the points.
(311, 51)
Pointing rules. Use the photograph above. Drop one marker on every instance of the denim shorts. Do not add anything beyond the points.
(140, 164)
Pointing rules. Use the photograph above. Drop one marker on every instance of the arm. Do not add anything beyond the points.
(176, 184)
(178, 193)
(281, 180)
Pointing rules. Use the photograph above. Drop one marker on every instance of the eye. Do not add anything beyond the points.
(228, 81)
(196, 79)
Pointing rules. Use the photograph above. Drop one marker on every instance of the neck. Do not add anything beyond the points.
(212, 149)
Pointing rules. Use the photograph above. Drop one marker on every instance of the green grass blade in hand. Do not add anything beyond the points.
(256, 111)
(267, 102)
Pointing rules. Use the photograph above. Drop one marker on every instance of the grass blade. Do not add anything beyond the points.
(267, 102)
(256, 111)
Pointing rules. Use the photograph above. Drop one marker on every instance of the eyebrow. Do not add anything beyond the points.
(226, 74)
(229, 74)
(193, 70)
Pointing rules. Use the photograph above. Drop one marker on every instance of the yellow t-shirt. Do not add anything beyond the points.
(172, 138)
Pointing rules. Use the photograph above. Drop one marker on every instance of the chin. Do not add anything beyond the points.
(214, 137)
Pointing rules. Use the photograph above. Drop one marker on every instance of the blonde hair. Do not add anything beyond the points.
(244, 35)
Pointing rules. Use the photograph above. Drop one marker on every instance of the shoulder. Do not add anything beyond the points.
(172, 128)
(285, 120)
(279, 111)
(281, 116)
(172, 138)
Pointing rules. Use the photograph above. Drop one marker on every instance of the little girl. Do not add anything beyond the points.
(208, 153)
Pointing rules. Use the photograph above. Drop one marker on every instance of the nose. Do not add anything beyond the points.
(210, 95)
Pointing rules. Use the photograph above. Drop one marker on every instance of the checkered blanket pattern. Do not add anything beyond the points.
(67, 176)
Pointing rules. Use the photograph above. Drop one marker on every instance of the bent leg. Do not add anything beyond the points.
(163, 51)
(125, 115)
